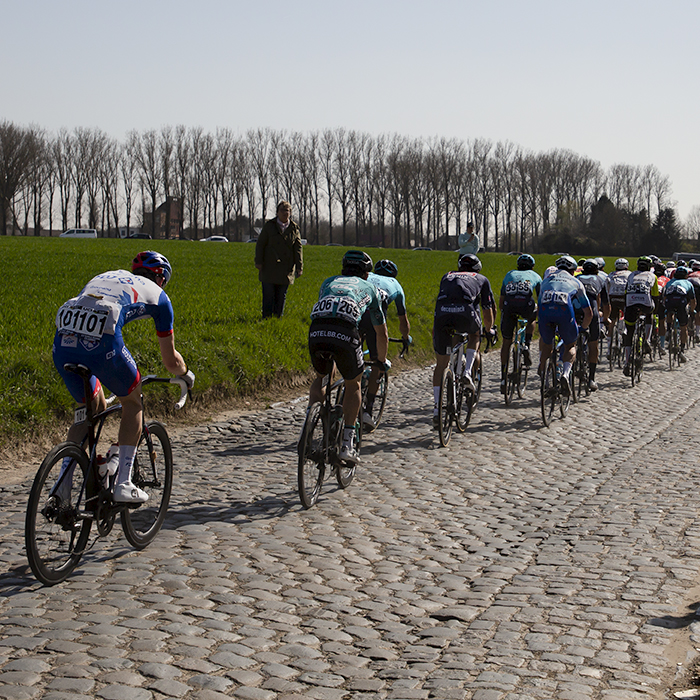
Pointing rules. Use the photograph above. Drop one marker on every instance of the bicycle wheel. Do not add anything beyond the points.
(380, 400)
(565, 400)
(637, 356)
(345, 471)
(56, 528)
(311, 467)
(464, 405)
(549, 392)
(511, 374)
(152, 472)
(446, 407)
(522, 373)
(672, 348)
(477, 376)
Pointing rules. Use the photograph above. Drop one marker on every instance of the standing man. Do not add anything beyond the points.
(279, 259)
(468, 242)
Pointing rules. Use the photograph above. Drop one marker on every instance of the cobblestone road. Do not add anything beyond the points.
(520, 562)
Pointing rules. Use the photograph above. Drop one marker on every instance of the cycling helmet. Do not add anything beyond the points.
(551, 270)
(601, 263)
(356, 262)
(691, 262)
(469, 263)
(695, 266)
(644, 263)
(566, 262)
(154, 262)
(526, 262)
(659, 269)
(622, 264)
(671, 263)
(655, 259)
(590, 267)
(681, 263)
(580, 262)
(386, 268)
(681, 273)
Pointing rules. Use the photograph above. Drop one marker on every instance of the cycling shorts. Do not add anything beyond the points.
(512, 312)
(446, 325)
(617, 307)
(369, 335)
(633, 312)
(332, 340)
(680, 306)
(559, 320)
(108, 359)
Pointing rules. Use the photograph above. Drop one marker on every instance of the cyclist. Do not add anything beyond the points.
(694, 278)
(679, 294)
(594, 285)
(561, 295)
(616, 287)
(518, 298)
(457, 311)
(89, 332)
(662, 280)
(390, 290)
(642, 290)
(334, 331)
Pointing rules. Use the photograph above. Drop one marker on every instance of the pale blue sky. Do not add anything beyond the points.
(615, 81)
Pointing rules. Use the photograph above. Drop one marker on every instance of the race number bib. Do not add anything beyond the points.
(82, 320)
(337, 307)
(551, 296)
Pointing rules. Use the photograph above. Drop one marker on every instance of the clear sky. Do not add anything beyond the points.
(614, 80)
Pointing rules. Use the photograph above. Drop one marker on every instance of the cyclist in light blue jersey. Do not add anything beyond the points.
(679, 297)
(561, 294)
(390, 291)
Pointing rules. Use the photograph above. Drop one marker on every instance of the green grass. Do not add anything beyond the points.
(217, 299)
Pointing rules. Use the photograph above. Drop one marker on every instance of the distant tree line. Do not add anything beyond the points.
(345, 186)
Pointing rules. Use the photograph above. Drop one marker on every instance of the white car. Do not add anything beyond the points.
(216, 239)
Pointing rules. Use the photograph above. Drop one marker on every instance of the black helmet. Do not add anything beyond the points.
(681, 273)
(526, 262)
(566, 262)
(469, 263)
(644, 263)
(659, 269)
(386, 268)
(155, 263)
(590, 267)
(356, 262)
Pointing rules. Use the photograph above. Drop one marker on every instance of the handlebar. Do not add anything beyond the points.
(405, 344)
(184, 391)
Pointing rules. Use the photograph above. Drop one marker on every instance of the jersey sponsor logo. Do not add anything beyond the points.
(552, 296)
(453, 309)
(331, 334)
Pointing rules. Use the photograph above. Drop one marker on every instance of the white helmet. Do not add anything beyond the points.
(622, 264)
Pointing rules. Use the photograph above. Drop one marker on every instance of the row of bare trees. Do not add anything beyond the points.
(346, 186)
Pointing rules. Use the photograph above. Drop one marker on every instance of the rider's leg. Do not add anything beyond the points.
(441, 362)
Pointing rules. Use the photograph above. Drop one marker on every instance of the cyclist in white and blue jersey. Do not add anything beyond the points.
(561, 295)
(390, 291)
(89, 332)
(518, 299)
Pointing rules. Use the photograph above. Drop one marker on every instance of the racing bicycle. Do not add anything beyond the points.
(516, 369)
(551, 395)
(69, 496)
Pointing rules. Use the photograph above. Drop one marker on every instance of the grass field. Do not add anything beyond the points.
(217, 301)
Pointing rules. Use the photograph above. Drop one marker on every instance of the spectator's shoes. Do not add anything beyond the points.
(129, 493)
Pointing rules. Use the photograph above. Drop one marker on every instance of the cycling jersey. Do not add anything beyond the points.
(390, 290)
(616, 284)
(677, 291)
(561, 295)
(595, 288)
(642, 288)
(89, 330)
(519, 287)
(346, 298)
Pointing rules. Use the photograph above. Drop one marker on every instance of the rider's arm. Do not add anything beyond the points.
(382, 342)
(404, 327)
(587, 317)
(172, 359)
(488, 318)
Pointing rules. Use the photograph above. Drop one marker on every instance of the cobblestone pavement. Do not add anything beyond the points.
(520, 562)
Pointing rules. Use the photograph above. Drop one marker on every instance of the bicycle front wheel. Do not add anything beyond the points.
(380, 400)
(57, 528)
(549, 392)
(446, 407)
(152, 472)
(511, 370)
(521, 373)
(312, 468)
(345, 471)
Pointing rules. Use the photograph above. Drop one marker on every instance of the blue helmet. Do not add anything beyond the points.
(526, 262)
(386, 268)
(154, 262)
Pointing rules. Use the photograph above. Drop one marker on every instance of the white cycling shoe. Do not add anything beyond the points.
(129, 493)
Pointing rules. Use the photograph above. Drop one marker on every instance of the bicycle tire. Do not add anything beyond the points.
(672, 348)
(345, 471)
(637, 356)
(55, 535)
(311, 467)
(446, 407)
(463, 407)
(523, 371)
(380, 400)
(510, 372)
(153, 473)
(477, 376)
(564, 400)
(548, 392)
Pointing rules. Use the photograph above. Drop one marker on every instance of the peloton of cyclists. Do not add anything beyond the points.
(457, 311)
(334, 332)
(561, 295)
(390, 290)
(642, 290)
(518, 299)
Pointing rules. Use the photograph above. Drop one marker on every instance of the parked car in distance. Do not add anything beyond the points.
(252, 240)
(422, 248)
(140, 235)
(79, 233)
(216, 239)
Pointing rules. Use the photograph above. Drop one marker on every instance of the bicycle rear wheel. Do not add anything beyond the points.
(511, 374)
(522, 373)
(345, 471)
(564, 399)
(152, 472)
(549, 392)
(380, 400)
(446, 407)
(311, 467)
(57, 528)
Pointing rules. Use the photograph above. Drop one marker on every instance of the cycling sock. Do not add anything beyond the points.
(436, 399)
(567, 369)
(591, 374)
(647, 333)
(126, 462)
(348, 434)
(469, 356)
